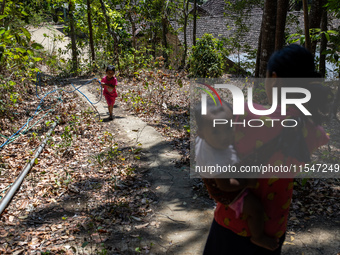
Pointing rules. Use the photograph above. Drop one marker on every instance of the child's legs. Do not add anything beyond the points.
(110, 102)
(253, 208)
(110, 107)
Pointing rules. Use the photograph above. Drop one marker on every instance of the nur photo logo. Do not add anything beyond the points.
(281, 97)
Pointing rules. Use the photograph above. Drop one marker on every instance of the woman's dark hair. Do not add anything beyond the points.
(110, 68)
(294, 61)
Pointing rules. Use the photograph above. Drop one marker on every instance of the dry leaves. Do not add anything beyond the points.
(80, 187)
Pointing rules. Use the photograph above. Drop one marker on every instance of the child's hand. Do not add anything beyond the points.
(109, 85)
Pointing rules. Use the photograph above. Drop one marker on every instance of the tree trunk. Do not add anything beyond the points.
(3, 7)
(306, 21)
(315, 19)
(89, 20)
(165, 41)
(111, 32)
(323, 43)
(259, 50)
(154, 43)
(268, 35)
(73, 37)
(134, 43)
(282, 9)
(194, 24)
(185, 14)
(297, 5)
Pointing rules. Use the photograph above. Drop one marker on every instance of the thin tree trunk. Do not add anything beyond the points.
(164, 40)
(297, 5)
(268, 35)
(154, 42)
(89, 20)
(259, 50)
(111, 32)
(73, 37)
(258, 55)
(282, 9)
(315, 19)
(185, 14)
(134, 44)
(3, 7)
(323, 43)
(306, 21)
(2, 10)
(194, 24)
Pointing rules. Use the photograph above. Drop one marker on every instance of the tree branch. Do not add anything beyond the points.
(3, 7)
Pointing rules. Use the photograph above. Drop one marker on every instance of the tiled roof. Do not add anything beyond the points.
(215, 7)
(217, 26)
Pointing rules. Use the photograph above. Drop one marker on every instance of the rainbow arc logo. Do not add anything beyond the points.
(204, 97)
(208, 92)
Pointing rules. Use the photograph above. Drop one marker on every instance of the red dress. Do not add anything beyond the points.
(275, 193)
(110, 96)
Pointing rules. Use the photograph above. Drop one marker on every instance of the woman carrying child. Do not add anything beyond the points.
(230, 233)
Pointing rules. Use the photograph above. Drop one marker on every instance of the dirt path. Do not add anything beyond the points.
(181, 220)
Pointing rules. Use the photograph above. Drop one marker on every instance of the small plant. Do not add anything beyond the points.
(103, 251)
(99, 159)
(206, 60)
(67, 137)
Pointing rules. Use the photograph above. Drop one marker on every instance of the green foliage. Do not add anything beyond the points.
(334, 6)
(237, 17)
(206, 59)
(67, 137)
(315, 33)
(18, 55)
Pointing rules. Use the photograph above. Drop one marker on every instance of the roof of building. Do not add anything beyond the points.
(220, 26)
(215, 7)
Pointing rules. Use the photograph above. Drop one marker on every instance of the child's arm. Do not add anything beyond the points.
(230, 185)
(109, 85)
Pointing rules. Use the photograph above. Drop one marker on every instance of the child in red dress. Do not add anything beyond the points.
(109, 83)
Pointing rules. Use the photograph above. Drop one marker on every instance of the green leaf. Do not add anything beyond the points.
(325, 52)
(2, 16)
(21, 50)
(2, 30)
(327, 36)
(37, 46)
(36, 161)
(84, 244)
(24, 13)
(26, 33)
(332, 32)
